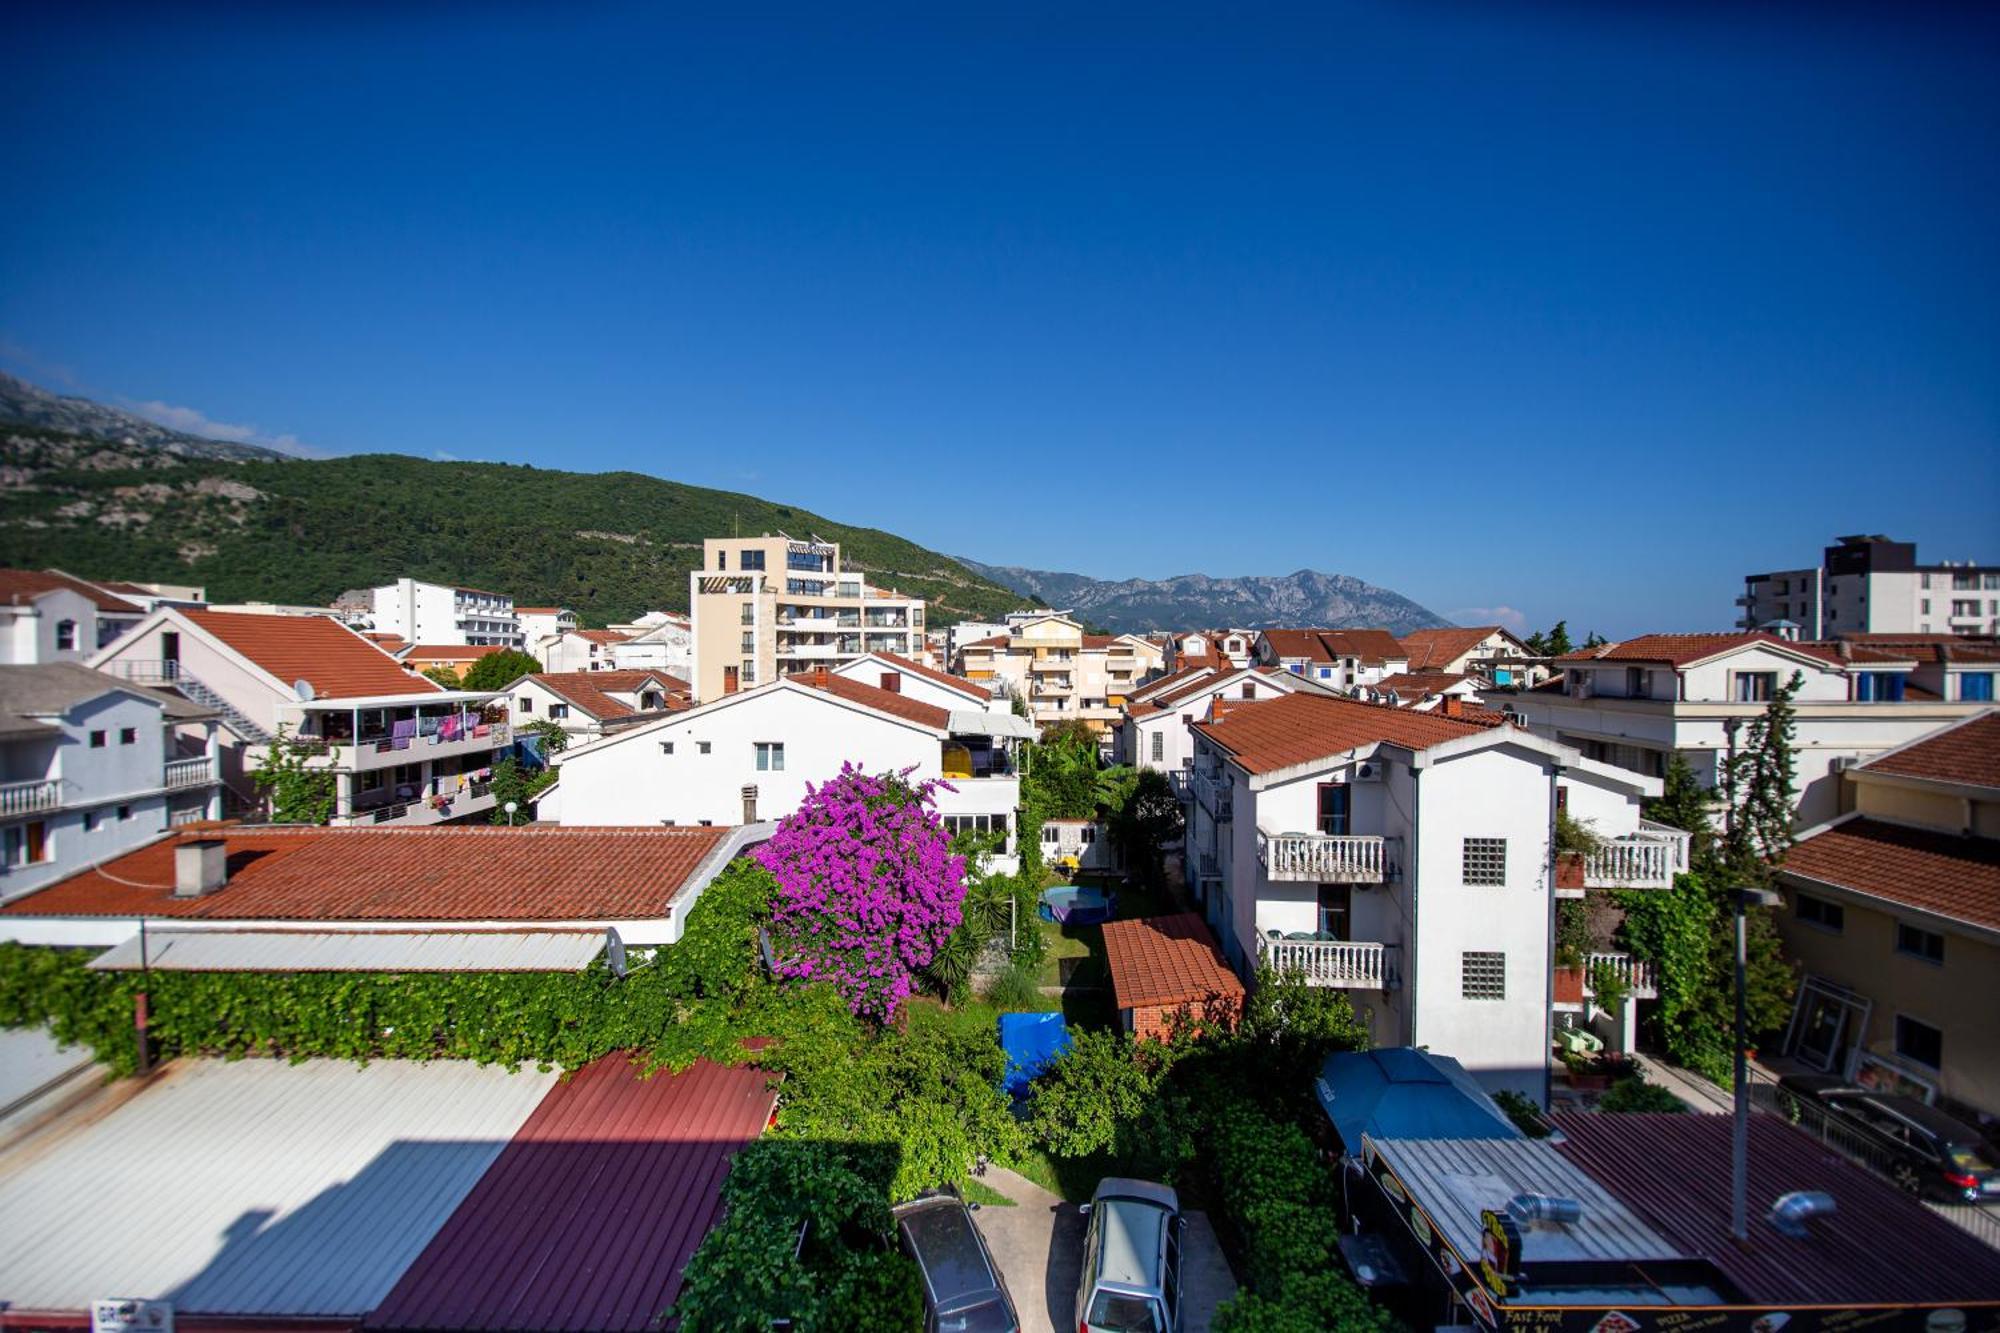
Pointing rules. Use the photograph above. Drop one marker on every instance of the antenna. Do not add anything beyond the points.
(614, 952)
(303, 688)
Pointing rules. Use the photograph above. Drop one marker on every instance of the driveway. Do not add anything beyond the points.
(1038, 1244)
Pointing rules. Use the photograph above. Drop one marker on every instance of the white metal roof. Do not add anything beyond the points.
(252, 1187)
(31, 1060)
(357, 951)
(429, 700)
(1454, 1179)
(975, 722)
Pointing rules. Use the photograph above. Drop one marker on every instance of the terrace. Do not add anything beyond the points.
(1320, 858)
(396, 731)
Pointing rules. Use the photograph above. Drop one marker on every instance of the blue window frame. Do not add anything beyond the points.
(1879, 686)
(1976, 686)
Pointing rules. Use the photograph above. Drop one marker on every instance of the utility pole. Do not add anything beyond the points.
(1741, 897)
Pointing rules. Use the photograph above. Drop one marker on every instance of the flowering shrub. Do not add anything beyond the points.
(867, 888)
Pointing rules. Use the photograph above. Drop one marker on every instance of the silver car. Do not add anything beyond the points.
(1131, 1259)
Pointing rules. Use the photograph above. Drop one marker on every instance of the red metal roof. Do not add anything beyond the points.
(1166, 960)
(339, 663)
(1879, 1244)
(587, 1219)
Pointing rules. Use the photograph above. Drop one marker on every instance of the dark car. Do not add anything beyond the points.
(1919, 1147)
(963, 1290)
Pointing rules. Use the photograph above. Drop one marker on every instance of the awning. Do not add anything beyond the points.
(976, 722)
(1402, 1093)
(357, 951)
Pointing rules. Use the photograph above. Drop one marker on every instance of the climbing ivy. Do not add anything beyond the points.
(299, 793)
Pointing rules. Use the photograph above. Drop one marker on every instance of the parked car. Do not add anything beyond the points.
(1921, 1148)
(1131, 1259)
(963, 1289)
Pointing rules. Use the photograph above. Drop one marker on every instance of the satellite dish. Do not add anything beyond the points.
(303, 688)
(614, 951)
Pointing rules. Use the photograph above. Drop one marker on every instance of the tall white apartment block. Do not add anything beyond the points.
(1872, 585)
(422, 612)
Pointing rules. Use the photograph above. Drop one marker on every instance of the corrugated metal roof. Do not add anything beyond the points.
(357, 951)
(255, 1187)
(31, 1060)
(591, 1213)
(1456, 1178)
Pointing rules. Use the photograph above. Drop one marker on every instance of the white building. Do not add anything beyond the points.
(1219, 648)
(657, 641)
(1342, 659)
(1493, 654)
(540, 622)
(402, 750)
(1062, 673)
(750, 756)
(925, 684)
(1158, 730)
(1637, 702)
(1872, 585)
(92, 766)
(48, 616)
(580, 650)
(422, 612)
(968, 631)
(1408, 857)
(591, 704)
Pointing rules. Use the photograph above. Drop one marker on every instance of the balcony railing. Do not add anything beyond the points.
(27, 798)
(1349, 965)
(1631, 862)
(1320, 858)
(196, 772)
(1177, 779)
(1640, 978)
(1679, 838)
(1216, 793)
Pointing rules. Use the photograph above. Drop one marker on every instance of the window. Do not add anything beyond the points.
(1964, 582)
(749, 641)
(1919, 943)
(722, 559)
(770, 756)
(750, 560)
(558, 711)
(1976, 686)
(749, 613)
(1638, 683)
(1051, 834)
(666, 747)
(1159, 746)
(1326, 673)
(1819, 912)
(1336, 801)
(748, 675)
(1755, 687)
(65, 636)
(1919, 1042)
(97, 740)
(1297, 668)
(1971, 608)
(128, 735)
(1483, 976)
(25, 844)
(1879, 686)
(1089, 834)
(1486, 861)
(124, 813)
(701, 747)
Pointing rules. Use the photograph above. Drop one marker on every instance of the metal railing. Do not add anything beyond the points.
(1177, 779)
(197, 772)
(1216, 793)
(1320, 858)
(27, 798)
(1347, 964)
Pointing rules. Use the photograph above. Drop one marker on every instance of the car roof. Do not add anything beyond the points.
(1946, 1126)
(1145, 1191)
(948, 1249)
(1131, 1234)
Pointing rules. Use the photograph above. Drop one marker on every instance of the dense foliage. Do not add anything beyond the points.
(1635, 1094)
(868, 888)
(498, 669)
(611, 545)
(298, 792)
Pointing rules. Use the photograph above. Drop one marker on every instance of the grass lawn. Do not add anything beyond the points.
(978, 1191)
(1075, 954)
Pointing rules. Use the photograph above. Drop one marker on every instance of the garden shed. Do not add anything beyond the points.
(1162, 966)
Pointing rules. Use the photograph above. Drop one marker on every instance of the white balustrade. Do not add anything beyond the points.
(1351, 965)
(1319, 858)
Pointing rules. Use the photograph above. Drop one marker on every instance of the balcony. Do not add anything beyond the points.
(28, 798)
(1320, 858)
(1217, 794)
(1640, 978)
(196, 772)
(376, 751)
(1177, 779)
(476, 798)
(1345, 964)
(1635, 861)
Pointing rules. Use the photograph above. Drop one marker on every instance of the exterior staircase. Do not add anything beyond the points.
(171, 673)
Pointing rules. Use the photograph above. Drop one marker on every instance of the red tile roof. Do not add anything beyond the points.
(456, 873)
(1173, 680)
(1231, 678)
(339, 663)
(1928, 650)
(1372, 646)
(1680, 650)
(1166, 960)
(1878, 1245)
(1967, 752)
(996, 641)
(1298, 728)
(1438, 648)
(1944, 873)
(884, 701)
(448, 652)
(592, 690)
(601, 635)
(589, 1215)
(932, 674)
(1419, 683)
(21, 586)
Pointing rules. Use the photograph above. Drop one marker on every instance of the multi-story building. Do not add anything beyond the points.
(751, 754)
(590, 704)
(1221, 649)
(1893, 914)
(1872, 585)
(1062, 673)
(444, 613)
(772, 606)
(1493, 654)
(401, 749)
(656, 641)
(1408, 857)
(541, 622)
(580, 650)
(48, 616)
(968, 631)
(1157, 729)
(92, 766)
(1638, 702)
(1344, 659)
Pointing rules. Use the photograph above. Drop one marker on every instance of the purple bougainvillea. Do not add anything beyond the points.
(867, 888)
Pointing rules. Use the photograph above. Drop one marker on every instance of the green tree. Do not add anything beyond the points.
(553, 738)
(443, 675)
(1760, 784)
(1148, 818)
(1556, 642)
(298, 792)
(498, 669)
(511, 782)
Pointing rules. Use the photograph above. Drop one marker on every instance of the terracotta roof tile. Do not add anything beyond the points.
(458, 873)
(884, 701)
(1967, 752)
(1299, 728)
(1436, 649)
(21, 586)
(1373, 646)
(1172, 680)
(1419, 683)
(592, 690)
(1166, 960)
(1953, 876)
(944, 678)
(1933, 649)
(339, 663)
(1679, 650)
(447, 652)
(601, 635)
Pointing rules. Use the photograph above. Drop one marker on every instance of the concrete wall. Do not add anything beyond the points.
(29, 634)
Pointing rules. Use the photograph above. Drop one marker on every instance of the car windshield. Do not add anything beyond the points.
(989, 1317)
(1967, 1158)
(1115, 1312)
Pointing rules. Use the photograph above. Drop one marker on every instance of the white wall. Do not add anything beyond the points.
(31, 635)
(913, 685)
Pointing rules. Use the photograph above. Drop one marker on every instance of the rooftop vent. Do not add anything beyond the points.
(1545, 1208)
(201, 866)
(1790, 1212)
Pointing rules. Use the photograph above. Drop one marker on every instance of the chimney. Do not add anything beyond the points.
(1453, 706)
(750, 803)
(818, 677)
(201, 866)
(892, 681)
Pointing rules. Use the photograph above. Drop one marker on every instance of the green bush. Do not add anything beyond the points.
(1016, 990)
(1102, 1081)
(1527, 1117)
(1635, 1094)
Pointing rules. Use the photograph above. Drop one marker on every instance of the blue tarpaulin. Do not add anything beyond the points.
(1400, 1092)
(1032, 1043)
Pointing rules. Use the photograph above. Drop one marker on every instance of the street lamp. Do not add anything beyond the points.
(1743, 897)
(512, 806)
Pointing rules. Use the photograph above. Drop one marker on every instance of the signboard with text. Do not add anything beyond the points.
(123, 1315)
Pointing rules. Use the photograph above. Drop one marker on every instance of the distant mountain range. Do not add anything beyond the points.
(1330, 601)
(33, 405)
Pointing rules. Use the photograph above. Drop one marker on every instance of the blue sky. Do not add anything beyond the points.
(1542, 307)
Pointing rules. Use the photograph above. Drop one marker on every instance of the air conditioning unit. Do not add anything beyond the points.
(1370, 772)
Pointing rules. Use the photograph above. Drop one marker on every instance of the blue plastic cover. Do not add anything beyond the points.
(1032, 1043)
(1400, 1092)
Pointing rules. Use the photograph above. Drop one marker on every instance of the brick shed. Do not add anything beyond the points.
(1163, 965)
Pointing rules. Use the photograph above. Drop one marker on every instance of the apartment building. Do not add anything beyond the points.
(1893, 914)
(1409, 858)
(1157, 730)
(751, 754)
(656, 641)
(48, 616)
(402, 750)
(1872, 585)
(772, 606)
(445, 613)
(580, 650)
(590, 704)
(540, 622)
(1343, 659)
(1493, 654)
(1637, 702)
(924, 683)
(1062, 673)
(92, 766)
(1218, 648)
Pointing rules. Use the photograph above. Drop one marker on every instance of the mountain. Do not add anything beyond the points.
(31, 405)
(1330, 601)
(250, 525)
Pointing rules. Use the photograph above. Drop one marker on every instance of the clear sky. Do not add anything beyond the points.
(1569, 309)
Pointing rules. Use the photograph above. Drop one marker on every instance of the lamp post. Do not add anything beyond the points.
(513, 806)
(1743, 897)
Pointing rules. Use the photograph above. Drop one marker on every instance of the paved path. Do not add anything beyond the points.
(1038, 1244)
